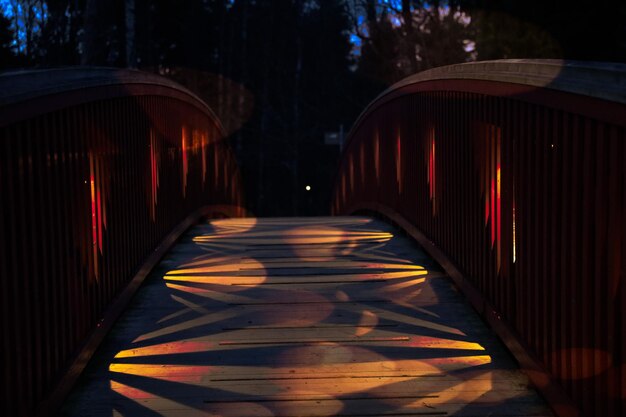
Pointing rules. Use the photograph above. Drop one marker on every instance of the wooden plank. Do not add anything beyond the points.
(358, 329)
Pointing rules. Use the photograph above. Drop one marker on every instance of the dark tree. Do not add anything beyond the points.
(402, 38)
(7, 57)
(581, 30)
(278, 75)
(59, 42)
(109, 32)
(288, 62)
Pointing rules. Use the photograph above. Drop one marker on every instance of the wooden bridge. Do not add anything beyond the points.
(475, 265)
(301, 317)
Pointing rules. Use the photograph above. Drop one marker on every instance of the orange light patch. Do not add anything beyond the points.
(183, 346)
(439, 343)
(399, 162)
(235, 265)
(155, 162)
(292, 241)
(377, 156)
(367, 323)
(218, 279)
(164, 370)
(185, 158)
(98, 211)
(204, 143)
(342, 296)
(432, 170)
(335, 241)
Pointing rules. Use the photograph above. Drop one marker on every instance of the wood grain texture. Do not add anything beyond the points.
(300, 317)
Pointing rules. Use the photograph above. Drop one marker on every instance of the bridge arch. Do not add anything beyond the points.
(511, 174)
(100, 171)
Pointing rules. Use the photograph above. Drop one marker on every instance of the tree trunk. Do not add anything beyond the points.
(90, 34)
(295, 137)
(131, 51)
(370, 11)
(16, 25)
(265, 108)
(409, 39)
(241, 107)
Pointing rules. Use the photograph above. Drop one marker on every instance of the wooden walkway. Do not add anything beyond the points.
(301, 317)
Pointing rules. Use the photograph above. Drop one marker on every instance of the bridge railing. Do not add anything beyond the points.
(512, 174)
(100, 170)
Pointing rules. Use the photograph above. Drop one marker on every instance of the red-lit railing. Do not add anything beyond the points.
(512, 174)
(99, 170)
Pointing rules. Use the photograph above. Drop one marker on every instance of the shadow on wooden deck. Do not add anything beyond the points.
(285, 317)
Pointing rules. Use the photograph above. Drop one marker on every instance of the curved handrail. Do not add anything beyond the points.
(600, 80)
(594, 79)
(61, 87)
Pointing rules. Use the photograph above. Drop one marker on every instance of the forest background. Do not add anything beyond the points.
(289, 77)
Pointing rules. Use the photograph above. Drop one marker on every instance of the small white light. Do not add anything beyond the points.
(308, 188)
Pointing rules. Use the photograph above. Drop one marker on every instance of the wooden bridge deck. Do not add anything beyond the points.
(301, 317)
